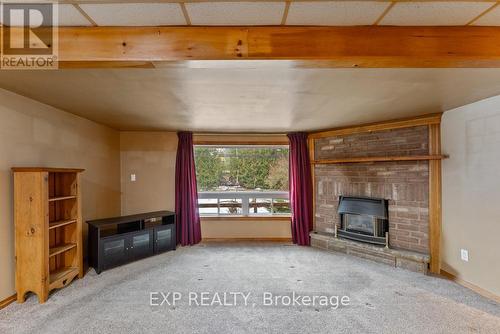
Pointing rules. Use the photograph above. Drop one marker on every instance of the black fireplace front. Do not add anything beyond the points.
(363, 219)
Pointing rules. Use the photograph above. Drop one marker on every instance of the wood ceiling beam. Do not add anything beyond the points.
(370, 46)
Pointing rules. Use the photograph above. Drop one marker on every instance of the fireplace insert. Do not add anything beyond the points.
(364, 219)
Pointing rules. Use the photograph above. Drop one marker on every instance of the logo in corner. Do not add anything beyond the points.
(29, 36)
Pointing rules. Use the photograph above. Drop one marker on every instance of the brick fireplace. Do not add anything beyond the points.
(404, 184)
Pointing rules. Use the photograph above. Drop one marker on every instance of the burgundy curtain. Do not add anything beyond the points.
(186, 193)
(300, 188)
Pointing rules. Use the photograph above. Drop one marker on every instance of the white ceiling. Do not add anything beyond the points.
(70, 16)
(434, 13)
(491, 19)
(257, 12)
(135, 14)
(251, 96)
(235, 13)
(335, 13)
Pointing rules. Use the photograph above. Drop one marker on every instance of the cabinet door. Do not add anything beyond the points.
(164, 238)
(114, 251)
(141, 245)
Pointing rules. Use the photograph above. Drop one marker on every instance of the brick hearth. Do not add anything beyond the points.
(394, 257)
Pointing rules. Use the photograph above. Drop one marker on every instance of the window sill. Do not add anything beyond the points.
(246, 218)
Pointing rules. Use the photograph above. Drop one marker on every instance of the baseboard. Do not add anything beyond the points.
(246, 239)
(4, 303)
(475, 288)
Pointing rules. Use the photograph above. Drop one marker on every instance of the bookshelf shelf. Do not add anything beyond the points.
(60, 223)
(53, 251)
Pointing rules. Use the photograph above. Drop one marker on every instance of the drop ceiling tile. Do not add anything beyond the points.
(135, 14)
(68, 16)
(15, 20)
(236, 13)
(491, 18)
(338, 13)
(434, 13)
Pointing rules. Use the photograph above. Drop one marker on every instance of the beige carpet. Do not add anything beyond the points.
(382, 299)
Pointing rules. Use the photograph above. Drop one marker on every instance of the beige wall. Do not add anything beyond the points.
(34, 134)
(243, 229)
(151, 157)
(471, 193)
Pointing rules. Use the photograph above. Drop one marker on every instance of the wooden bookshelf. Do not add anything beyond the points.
(48, 229)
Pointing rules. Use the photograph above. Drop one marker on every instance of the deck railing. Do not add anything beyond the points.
(244, 203)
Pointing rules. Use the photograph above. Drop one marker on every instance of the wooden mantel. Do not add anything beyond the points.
(379, 159)
(368, 46)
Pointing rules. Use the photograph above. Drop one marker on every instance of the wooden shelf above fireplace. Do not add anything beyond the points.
(378, 159)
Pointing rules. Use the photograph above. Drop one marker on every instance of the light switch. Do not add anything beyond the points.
(132, 177)
(464, 254)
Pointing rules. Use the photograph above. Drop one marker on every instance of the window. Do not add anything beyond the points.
(242, 180)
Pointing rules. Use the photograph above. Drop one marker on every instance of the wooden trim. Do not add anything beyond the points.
(359, 46)
(47, 169)
(243, 134)
(378, 159)
(7, 301)
(287, 240)
(379, 126)
(105, 64)
(473, 287)
(435, 199)
(245, 218)
(237, 142)
(240, 139)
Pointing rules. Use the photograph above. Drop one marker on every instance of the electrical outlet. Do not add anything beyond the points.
(132, 177)
(464, 255)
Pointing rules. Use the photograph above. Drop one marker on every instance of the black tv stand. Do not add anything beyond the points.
(119, 240)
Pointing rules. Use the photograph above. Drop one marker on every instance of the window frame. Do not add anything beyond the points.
(257, 141)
